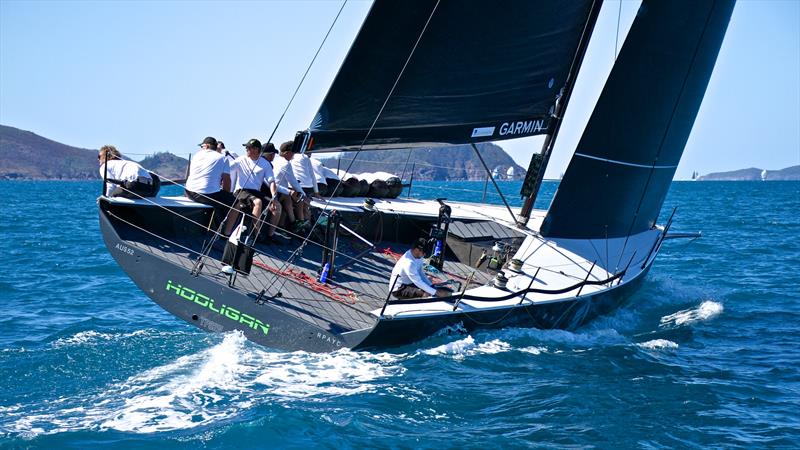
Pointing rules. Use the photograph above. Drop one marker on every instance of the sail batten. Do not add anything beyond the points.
(479, 72)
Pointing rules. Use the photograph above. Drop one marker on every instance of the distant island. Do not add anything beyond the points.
(458, 162)
(754, 174)
(27, 156)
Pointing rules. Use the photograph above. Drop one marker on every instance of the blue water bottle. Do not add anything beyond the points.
(323, 277)
(438, 249)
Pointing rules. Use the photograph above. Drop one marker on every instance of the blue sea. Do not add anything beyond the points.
(706, 355)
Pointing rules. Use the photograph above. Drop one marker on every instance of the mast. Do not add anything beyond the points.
(558, 116)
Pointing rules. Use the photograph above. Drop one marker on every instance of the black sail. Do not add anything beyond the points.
(481, 71)
(623, 166)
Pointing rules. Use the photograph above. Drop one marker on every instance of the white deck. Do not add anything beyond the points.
(430, 208)
(561, 263)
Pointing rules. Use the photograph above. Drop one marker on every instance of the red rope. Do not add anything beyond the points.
(299, 277)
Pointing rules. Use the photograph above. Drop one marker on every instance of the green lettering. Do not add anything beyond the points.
(211, 305)
(184, 290)
(177, 287)
(247, 320)
(264, 328)
(224, 310)
(231, 313)
(197, 300)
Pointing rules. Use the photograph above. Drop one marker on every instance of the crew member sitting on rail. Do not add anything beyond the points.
(251, 171)
(411, 279)
(125, 178)
(287, 208)
(288, 185)
(230, 156)
(209, 183)
(322, 175)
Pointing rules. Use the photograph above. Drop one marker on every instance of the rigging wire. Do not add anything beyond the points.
(616, 40)
(251, 170)
(363, 142)
(147, 199)
(513, 217)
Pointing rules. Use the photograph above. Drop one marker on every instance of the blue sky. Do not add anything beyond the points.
(153, 76)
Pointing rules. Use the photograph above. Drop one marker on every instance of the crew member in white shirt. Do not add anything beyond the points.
(125, 178)
(209, 182)
(288, 185)
(283, 195)
(322, 175)
(251, 171)
(304, 171)
(230, 156)
(411, 279)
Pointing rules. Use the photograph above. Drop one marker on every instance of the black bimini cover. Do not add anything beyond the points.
(482, 71)
(623, 166)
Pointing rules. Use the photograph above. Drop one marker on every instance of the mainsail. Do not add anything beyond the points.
(442, 72)
(618, 178)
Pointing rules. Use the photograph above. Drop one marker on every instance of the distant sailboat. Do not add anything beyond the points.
(510, 173)
(764, 175)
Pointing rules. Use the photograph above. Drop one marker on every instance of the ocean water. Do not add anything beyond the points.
(706, 355)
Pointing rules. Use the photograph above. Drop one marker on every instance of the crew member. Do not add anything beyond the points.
(209, 182)
(288, 185)
(411, 279)
(125, 178)
(323, 176)
(282, 196)
(251, 171)
(230, 156)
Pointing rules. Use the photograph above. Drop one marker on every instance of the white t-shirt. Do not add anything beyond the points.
(321, 172)
(409, 269)
(205, 173)
(284, 175)
(251, 174)
(304, 171)
(121, 170)
(230, 156)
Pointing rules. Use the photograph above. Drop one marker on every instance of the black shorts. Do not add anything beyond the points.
(245, 197)
(409, 291)
(221, 201)
(136, 189)
(308, 191)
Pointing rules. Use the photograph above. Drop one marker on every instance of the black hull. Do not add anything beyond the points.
(565, 314)
(207, 302)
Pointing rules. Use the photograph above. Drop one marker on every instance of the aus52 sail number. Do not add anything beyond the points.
(124, 249)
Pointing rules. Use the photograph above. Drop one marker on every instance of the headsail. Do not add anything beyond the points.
(618, 178)
(464, 72)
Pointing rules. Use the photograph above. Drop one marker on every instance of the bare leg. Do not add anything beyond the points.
(257, 208)
(233, 217)
(275, 209)
(288, 209)
(307, 208)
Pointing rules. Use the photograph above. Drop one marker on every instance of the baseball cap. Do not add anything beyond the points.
(210, 141)
(252, 143)
(269, 147)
